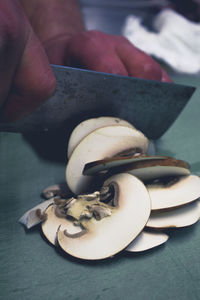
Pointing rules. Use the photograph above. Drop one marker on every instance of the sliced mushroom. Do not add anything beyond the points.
(182, 216)
(120, 162)
(35, 215)
(101, 143)
(174, 192)
(147, 240)
(53, 222)
(113, 233)
(143, 167)
(87, 126)
(153, 169)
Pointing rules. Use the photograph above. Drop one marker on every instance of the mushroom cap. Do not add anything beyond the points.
(121, 162)
(182, 216)
(103, 142)
(147, 240)
(87, 126)
(184, 189)
(53, 222)
(112, 234)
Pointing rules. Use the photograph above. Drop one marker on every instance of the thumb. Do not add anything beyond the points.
(34, 81)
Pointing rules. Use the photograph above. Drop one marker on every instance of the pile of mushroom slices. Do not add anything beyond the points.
(124, 194)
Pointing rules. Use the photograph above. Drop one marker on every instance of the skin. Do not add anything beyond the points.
(25, 75)
(35, 33)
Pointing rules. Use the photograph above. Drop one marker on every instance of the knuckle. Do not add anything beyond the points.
(95, 36)
(153, 69)
(110, 65)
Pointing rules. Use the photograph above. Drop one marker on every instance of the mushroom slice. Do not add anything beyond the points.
(99, 144)
(35, 215)
(113, 233)
(182, 216)
(120, 162)
(143, 167)
(53, 222)
(147, 240)
(87, 126)
(151, 167)
(175, 192)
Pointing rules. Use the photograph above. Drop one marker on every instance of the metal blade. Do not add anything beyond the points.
(151, 106)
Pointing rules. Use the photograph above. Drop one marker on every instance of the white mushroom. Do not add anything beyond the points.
(53, 222)
(147, 240)
(156, 169)
(182, 216)
(87, 126)
(178, 191)
(101, 143)
(121, 163)
(118, 216)
(112, 234)
(35, 215)
(143, 167)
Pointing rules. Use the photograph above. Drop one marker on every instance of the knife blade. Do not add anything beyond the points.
(151, 106)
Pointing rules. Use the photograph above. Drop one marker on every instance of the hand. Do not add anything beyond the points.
(26, 78)
(102, 52)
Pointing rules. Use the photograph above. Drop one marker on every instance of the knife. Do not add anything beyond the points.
(151, 106)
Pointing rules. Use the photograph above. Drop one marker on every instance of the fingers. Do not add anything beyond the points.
(94, 50)
(98, 51)
(165, 77)
(139, 64)
(26, 78)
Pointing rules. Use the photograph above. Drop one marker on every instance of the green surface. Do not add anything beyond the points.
(33, 269)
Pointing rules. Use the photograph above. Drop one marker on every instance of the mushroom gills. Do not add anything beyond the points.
(147, 240)
(174, 192)
(87, 126)
(112, 234)
(182, 216)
